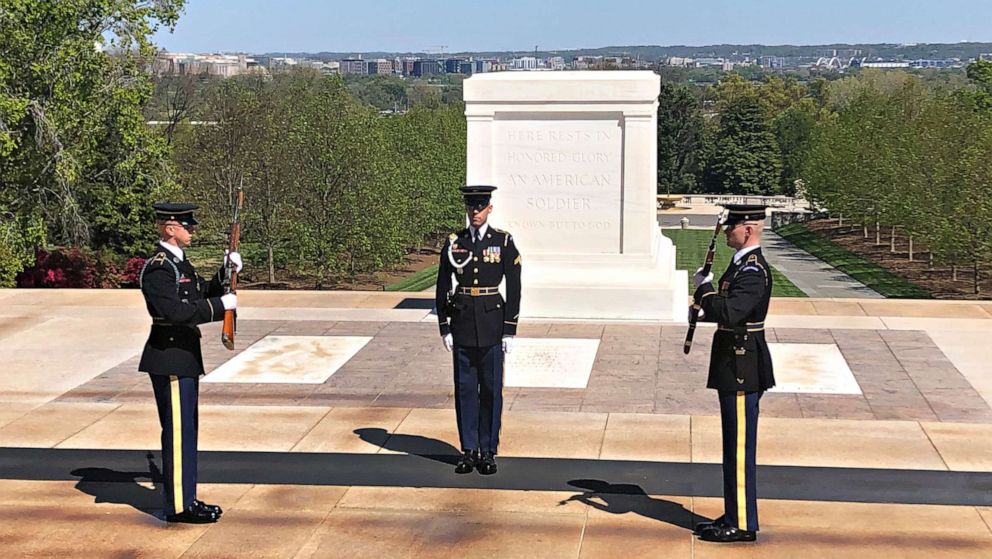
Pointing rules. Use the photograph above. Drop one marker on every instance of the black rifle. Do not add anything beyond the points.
(707, 266)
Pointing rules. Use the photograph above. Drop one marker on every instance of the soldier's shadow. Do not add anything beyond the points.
(111, 486)
(425, 447)
(621, 498)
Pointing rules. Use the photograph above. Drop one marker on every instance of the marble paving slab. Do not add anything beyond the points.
(290, 360)
(811, 369)
(550, 363)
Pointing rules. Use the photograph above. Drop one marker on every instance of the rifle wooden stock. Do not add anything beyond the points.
(231, 284)
(707, 266)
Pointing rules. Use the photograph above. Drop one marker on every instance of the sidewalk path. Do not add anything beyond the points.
(815, 277)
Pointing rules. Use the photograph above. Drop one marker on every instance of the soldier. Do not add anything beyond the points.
(178, 300)
(478, 325)
(740, 368)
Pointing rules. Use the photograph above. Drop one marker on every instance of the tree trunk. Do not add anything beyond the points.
(954, 272)
(910, 248)
(865, 227)
(978, 278)
(272, 266)
(892, 240)
(930, 260)
(840, 220)
(878, 233)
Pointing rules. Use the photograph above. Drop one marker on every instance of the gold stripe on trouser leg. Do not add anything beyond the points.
(177, 446)
(741, 462)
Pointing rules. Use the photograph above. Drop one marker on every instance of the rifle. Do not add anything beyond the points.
(707, 265)
(231, 275)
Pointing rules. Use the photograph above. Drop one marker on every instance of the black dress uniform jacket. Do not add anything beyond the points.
(481, 320)
(739, 358)
(178, 300)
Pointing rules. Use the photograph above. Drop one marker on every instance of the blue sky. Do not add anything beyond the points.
(415, 25)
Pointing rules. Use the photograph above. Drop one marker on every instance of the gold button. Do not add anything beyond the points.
(475, 282)
(476, 270)
(476, 259)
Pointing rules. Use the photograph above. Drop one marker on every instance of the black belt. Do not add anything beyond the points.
(478, 291)
(172, 325)
(751, 327)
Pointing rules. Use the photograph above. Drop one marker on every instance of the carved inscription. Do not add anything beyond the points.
(560, 176)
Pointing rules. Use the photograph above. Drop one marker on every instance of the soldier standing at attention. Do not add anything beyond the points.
(178, 300)
(478, 325)
(740, 368)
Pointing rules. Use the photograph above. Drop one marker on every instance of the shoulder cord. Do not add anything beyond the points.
(451, 258)
(141, 277)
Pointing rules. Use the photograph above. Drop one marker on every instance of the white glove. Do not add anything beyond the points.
(449, 342)
(230, 301)
(699, 279)
(234, 258)
(698, 317)
(507, 344)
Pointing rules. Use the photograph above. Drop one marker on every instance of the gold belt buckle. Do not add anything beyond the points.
(474, 291)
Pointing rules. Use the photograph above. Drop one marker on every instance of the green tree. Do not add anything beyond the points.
(793, 130)
(680, 139)
(74, 147)
(745, 157)
(244, 148)
(980, 75)
(428, 147)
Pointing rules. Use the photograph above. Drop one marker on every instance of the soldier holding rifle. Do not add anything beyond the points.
(178, 300)
(740, 366)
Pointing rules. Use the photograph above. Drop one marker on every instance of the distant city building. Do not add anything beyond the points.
(406, 66)
(380, 67)
(282, 61)
(453, 65)
(556, 63)
(330, 67)
(352, 66)
(887, 64)
(772, 61)
(221, 65)
(939, 63)
(681, 62)
(710, 61)
(524, 63)
(987, 57)
(423, 68)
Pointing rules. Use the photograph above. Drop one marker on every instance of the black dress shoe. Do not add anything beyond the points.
(707, 524)
(727, 534)
(465, 463)
(193, 515)
(209, 508)
(487, 465)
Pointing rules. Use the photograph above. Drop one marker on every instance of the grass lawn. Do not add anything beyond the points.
(691, 245)
(416, 282)
(874, 276)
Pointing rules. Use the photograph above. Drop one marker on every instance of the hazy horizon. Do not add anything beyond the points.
(260, 26)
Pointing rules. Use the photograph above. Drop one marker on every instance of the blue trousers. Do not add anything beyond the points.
(479, 396)
(739, 419)
(176, 398)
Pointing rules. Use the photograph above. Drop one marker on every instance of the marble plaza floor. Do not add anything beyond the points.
(330, 432)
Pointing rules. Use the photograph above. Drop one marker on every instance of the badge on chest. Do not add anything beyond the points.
(491, 255)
